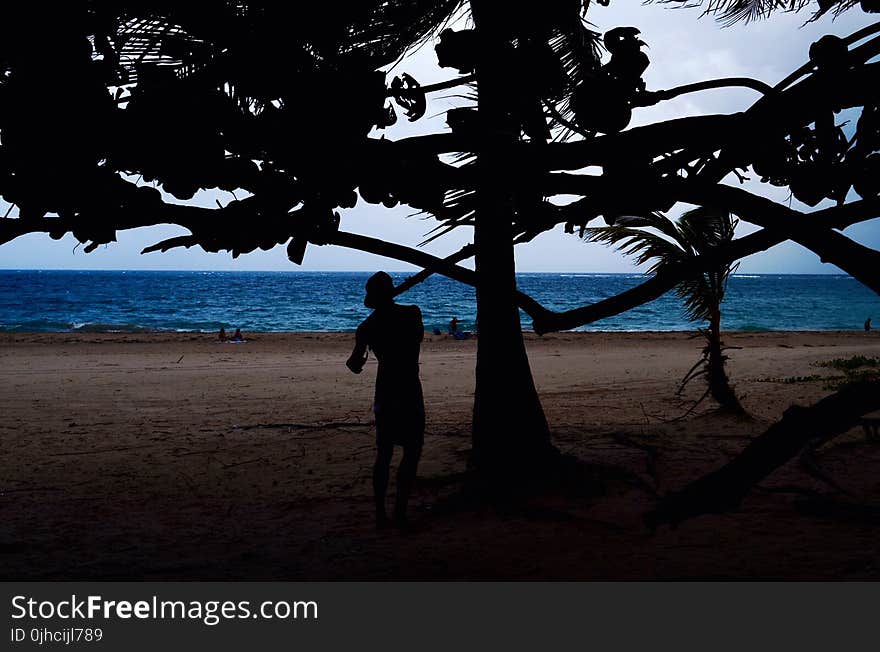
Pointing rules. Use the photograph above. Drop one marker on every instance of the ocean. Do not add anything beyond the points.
(137, 301)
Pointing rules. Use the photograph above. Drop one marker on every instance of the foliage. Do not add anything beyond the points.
(851, 364)
(729, 12)
(697, 232)
(856, 369)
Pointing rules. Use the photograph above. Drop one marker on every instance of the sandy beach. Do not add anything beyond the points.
(173, 456)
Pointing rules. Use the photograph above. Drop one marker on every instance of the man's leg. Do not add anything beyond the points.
(406, 475)
(384, 451)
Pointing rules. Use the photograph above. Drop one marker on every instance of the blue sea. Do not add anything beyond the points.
(136, 301)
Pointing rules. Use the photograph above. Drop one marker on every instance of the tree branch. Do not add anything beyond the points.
(462, 254)
(857, 260)
(440, 86)
(426, 260)
(649, 98)
(185, 241)
(836, 217)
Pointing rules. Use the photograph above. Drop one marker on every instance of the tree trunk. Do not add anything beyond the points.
(510, 431)
(511, 438)
(719, 384)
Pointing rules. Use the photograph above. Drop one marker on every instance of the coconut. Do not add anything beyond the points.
(866, 181)
(457, 50)
(347, 199)
(809, 184)
(599, 105)
(829, 53)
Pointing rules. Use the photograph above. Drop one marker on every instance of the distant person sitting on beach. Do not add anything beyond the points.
(236, 336)
(222, 336)
(453, 326)
(394, 334)
(867, 324)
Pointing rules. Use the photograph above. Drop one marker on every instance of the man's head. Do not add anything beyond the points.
(380, 290)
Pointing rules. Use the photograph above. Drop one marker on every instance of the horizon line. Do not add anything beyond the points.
(367, 271)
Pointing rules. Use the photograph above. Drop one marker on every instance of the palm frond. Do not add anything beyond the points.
(706, 227)
(642, 244)
(695, 233)
(458, 209)
(698, 296)
(267, 39)
(668, 228)
(730, 12)
(579, 50)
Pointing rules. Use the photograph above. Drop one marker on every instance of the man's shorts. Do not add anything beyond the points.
(400, 425)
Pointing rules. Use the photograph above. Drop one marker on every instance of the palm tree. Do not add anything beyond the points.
(697, 232)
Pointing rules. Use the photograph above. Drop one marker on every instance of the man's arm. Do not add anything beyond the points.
(358, 357)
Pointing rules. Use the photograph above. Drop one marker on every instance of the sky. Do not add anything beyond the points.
(683, 47)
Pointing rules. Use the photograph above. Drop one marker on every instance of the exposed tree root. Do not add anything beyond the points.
(650, 454)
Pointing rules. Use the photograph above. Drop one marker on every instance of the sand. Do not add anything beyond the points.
(173, 456)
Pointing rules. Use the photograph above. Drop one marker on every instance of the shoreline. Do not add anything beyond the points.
(528, 332)
(279, 341)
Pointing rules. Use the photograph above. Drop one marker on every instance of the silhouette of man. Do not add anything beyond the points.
(394, 334)
(867, 324)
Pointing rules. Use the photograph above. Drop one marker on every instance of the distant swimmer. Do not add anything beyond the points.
(394, 334)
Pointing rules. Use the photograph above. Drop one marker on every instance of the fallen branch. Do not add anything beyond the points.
(724, 489)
